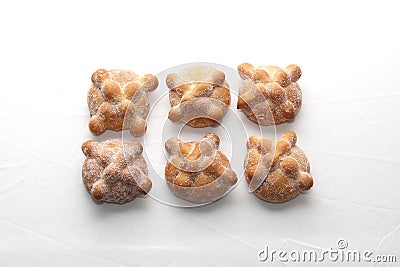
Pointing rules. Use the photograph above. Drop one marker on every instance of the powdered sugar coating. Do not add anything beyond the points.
(115, 171)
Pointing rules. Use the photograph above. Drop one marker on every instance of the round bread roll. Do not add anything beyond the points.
(280, 174)
(115, 171)
(269, 94)
(198, 171)
(118, 100)
(199, 96)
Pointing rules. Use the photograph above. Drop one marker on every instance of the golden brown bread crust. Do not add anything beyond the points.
(115, 171)
(199, 96)
(285, 170)
(269, 94)
(118, 99)
(197, 171)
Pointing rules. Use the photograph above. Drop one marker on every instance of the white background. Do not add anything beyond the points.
(348, 127)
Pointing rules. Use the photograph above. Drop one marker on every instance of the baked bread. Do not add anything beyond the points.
(277, 174)
(115, 171)
(198, 171)
(199, 96)
(269, 94)
(118, 100)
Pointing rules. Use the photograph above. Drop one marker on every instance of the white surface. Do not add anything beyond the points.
(348, 127)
